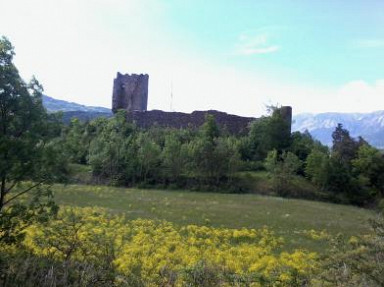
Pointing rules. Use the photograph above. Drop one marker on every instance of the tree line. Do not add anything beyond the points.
(37, 147)
(208, 158)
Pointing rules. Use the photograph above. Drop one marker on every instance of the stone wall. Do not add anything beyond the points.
(130, 92)
(234, 124)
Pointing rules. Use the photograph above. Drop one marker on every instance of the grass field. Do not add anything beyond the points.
(289, 218)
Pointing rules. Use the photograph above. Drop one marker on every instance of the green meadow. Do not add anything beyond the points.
(291, 219)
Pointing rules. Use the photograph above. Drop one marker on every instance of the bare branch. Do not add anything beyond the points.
(11, 187)
(23, 192)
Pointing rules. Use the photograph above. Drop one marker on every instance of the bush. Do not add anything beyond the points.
(357, 261)
(89, 247)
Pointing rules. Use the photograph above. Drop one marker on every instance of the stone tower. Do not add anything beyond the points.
(130, 92)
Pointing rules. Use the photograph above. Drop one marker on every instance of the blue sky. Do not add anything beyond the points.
(235, 56)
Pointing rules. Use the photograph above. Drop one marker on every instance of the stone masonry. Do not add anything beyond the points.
(130, 92)
(231, 123)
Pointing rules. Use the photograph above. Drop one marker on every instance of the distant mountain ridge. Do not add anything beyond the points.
(73, 110)
(368, 125)
(55, 105)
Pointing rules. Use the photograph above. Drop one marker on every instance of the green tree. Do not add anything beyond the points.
(201, 151)
(282, 169)
(344, 147)
(209, 130)
(172, 157)
(227, 157)
(76, 140)
(368, 167)
(148, 155)
(201, 158)
(107, 149)
(26, 152)
(268, 133)
(341, 178)
(316, 167)
(257, 143)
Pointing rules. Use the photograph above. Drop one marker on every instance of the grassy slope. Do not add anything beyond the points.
(287, 217)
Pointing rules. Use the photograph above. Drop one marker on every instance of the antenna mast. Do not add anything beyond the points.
(171, 104)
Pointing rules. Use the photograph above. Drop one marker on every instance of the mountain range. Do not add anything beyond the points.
(368, 125)
(73, 110)
(55, 105)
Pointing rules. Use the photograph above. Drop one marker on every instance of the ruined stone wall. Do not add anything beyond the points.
(233, 124)
(130, 92)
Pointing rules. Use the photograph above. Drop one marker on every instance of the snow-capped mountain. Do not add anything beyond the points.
(368, 125)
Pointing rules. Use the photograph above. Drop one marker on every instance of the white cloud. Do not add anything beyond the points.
(255, 43)
(360, 96)
(351, 97)
(252, 51)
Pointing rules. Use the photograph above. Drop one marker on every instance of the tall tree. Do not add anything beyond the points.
(368, 166)
(173, 159)
(282, 168)
(268, 133)
(344, 147)
(316, 168)
(25, 151)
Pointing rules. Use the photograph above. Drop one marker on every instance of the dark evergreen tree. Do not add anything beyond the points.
(344, 147)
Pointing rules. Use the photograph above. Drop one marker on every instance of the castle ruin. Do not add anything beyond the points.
(130, 93)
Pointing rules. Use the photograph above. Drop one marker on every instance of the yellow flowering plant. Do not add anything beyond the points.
(159, 252)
